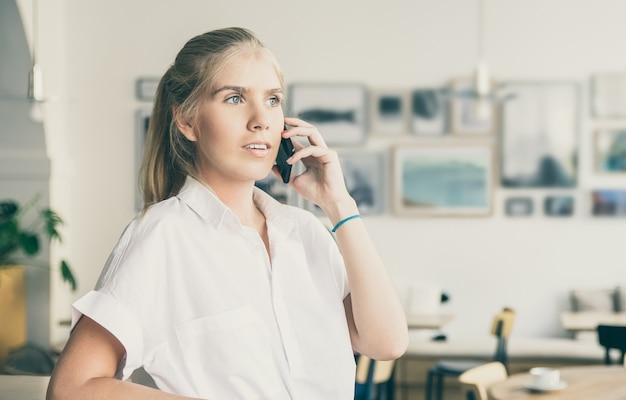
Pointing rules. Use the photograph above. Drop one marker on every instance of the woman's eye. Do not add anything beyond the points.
(274, 101)
(234, 99)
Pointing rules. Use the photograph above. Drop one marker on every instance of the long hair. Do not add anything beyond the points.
(168, 155)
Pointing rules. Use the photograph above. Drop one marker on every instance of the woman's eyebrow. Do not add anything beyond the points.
(241, 89)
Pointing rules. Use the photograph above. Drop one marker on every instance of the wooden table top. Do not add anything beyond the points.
(23, 387)
(427, 321)
(602, 382)
(589, 321)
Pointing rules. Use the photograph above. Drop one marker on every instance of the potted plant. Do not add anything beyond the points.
(20, 243)
(22, 231)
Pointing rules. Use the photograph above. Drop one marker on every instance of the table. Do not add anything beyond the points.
(23, 387)
(589, 320)
(584, 382)
(427, 321)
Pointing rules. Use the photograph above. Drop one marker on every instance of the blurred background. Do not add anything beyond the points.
(514, 247)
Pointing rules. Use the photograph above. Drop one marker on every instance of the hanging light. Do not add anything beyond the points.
(35, 76)
(482, 79)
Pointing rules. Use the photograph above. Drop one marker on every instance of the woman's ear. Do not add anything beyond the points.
(185, 127)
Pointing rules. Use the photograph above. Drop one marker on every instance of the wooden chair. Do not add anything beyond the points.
(501, 328)
(374, 379)
(612, 337)
(475, 381)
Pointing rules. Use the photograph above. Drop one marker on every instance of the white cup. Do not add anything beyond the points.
(545, 377)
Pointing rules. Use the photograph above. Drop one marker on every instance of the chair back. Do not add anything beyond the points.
(475, 381)
(612, 337)
(371, 374)
(501, 328)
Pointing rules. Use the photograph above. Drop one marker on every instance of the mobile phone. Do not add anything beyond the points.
(285, 150)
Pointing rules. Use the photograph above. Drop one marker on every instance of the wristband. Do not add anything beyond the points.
(343, 221)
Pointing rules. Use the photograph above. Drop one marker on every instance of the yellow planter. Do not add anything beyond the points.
(12, 309)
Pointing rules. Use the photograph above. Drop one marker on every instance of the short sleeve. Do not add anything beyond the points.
(118, 320)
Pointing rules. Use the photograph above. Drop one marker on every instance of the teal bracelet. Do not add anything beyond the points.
(343, 221)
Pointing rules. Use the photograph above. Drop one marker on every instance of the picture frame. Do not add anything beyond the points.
(389, 111)
(338, 110)
(559, 206)
(443, 180)
(142, 122)
(365, 174)
(470, 114)
(610, 151)
(540, 134)
(429, 111)
(608, 203)
(608, 95)
(146, 87)
(519, 206)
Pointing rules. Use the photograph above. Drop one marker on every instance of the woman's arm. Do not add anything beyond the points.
(375, 314)
(87, 367)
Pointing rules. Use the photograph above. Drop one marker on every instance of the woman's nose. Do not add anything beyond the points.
(259, 119)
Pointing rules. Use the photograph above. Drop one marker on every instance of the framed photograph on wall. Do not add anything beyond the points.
(610, 150)
(389, 110)
(146, 87)
(365, 174)
(540, 133)
(142, 121)
(559, 206)
(608, 203)
(443, 180)
(429, 111)
(469, 114)
(608, 95)
(519, 206)
(338, 110)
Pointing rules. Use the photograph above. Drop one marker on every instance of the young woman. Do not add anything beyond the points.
(217, 290)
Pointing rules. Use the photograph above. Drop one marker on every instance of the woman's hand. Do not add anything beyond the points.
(322, 182)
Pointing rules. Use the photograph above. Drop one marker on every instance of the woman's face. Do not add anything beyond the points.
(239, 122)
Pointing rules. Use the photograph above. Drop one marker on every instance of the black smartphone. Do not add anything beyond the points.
(285, 150)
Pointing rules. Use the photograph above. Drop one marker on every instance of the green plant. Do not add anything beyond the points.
(19, 244)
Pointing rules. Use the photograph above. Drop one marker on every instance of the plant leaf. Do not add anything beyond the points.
(67, 275)
(29, 242)
(8, 208)
(51, 221)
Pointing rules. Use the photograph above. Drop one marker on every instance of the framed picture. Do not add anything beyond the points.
(469, 114)
(610, 150)
(146, 87)
(540, 130)
(365, 176)
(142, 121)
(389, 110)
(429, 111)
(608, 202)
(442, 180)
(277, 189)
(339, 111)
(559, 206)
(608, 95)
(519, 206)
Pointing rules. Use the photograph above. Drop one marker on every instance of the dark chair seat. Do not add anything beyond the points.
(612, 337)
(500, 328)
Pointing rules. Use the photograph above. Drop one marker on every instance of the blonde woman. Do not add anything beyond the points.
(216, 289)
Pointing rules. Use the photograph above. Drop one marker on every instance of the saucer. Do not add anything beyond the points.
(542, 388)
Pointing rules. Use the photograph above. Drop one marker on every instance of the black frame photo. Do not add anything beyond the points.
(338, 110)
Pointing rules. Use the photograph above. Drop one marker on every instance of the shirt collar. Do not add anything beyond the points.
(201, 199)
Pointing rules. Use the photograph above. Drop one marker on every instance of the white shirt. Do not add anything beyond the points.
(193, 297)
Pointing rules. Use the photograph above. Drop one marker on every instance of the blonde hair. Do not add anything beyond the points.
(168, 156)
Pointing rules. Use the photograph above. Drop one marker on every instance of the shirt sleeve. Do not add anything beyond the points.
(112, 315)
(116, 302)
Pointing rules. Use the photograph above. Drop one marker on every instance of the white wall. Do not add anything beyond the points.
(96, 50)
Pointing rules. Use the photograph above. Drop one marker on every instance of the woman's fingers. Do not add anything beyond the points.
(300, 128)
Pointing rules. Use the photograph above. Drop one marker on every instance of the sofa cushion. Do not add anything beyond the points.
(604, 300)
